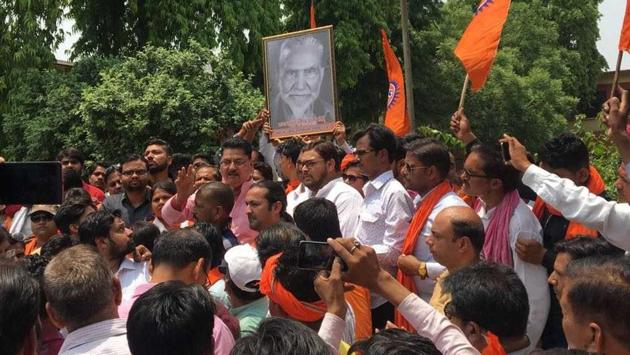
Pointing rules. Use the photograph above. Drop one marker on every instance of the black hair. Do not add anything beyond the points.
(133, 157)
(203, 156)
(280, 336)
(166, 185)
(560, 351)
(112, 169)
(237, 143)
(471, 229)
(431, 152)
(584, 247)
(95, 165)
(180, 160)
(394, 342)
(495, 167)
(77, 195)
(318, 218)
(599, 292)
(566, 151)
(275, 193)
(97, 225)
(265, 170)
(72, 153)
(20, 301)
(4, 235)
(297, 281)
(491, 295)
(380, 138)
(70, 212)
(35, 266)
(145, 233)
(326, 150)
(215, 240)
(401, 149)
(56, 245)
(291, 149)
(162, 143)
(276, 239)
(178, 318)
(241, 294)
(180, 247)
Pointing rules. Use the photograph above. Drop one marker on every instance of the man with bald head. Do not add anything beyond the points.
(456, 241)
(213, 204)
(425, 171)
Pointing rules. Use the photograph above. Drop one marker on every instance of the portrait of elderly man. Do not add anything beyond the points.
(297, 95)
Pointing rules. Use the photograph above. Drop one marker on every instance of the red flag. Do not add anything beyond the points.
(624, 40)
(313, 24)
(478, 46)
(396, 117)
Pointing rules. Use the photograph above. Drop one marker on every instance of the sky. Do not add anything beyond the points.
(609, 29)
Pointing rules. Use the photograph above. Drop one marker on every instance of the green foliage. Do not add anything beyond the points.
(110, 108)
(604, 155)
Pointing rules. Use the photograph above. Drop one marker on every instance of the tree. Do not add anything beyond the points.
(111, 107)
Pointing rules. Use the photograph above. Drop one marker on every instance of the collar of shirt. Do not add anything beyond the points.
(379, 182)
(95, 332)
(128, 264)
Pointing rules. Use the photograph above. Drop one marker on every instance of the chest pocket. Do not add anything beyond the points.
(371, 213)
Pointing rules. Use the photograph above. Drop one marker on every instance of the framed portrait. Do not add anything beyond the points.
(300, 85)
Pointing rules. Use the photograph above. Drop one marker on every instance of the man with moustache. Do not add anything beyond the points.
(159, 156)
(72, 161)
(134, 203)
(236, 172)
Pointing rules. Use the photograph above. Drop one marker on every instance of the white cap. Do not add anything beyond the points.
(244, 267)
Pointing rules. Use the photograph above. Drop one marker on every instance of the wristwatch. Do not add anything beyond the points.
(422, 270)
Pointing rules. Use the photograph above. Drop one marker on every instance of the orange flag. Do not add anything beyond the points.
(624, 40)
(478, 46)
(313, 24)
(396, 117)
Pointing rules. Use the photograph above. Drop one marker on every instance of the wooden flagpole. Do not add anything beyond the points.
(462, 98)
(616, 77)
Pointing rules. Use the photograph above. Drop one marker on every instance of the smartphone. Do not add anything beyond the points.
(31, 183)
(316, 256)
(505, 151)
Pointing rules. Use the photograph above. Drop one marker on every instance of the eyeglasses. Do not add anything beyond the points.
(467, 175)
(411, 168)
(360, 153)
(44, 217)
(353, 178)
(237, 162)
(308, 164)
(137, 172)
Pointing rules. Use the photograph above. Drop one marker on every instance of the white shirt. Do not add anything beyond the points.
(297, 196)
(383, 221)
(132, 274)
(348, 202)
(422, 252)
(21, 223)
(525, 225)
(576, 203)
(108, 337)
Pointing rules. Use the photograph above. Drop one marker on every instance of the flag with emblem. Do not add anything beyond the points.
(478, 46)
(396, 117)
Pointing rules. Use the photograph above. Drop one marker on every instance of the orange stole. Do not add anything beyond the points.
(359, 299)
(596, 186)
(494, 346)
(417, 223)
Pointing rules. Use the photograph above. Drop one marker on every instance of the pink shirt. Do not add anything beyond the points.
(240, 223)
(223, 338)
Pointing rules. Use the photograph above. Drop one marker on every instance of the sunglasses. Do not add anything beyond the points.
(353, 178)
(41, 217)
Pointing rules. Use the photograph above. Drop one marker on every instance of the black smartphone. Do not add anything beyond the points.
(31, 183)
(505, 151)
(316, 256)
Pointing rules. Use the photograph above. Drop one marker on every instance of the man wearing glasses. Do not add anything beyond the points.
(135, 201)
(236, 172)
(386, 209)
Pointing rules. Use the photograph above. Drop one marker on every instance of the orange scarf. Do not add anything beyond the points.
(417, 223)
(494, 346)
(294, 308)
(596, 186)
(291, 185)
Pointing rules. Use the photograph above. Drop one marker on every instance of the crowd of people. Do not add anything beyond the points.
(166, 253)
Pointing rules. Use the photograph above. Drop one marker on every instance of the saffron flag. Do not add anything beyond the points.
(478, 46)
(396, 117)
(624, 40)
(313, 23)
